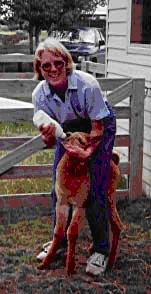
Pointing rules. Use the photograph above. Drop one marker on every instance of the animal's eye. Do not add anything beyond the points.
(68, 134)
(81, 142)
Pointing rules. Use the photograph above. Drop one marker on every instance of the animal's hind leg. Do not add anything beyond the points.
(72, 234)
(115, 221)
(62, 212)
(116, 227)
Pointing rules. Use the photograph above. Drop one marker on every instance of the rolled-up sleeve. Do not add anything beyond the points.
(35, 103)
(95, 104)
(38, 98)
(39, 102)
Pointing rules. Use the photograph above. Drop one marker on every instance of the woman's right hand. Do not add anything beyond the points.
(48, 134)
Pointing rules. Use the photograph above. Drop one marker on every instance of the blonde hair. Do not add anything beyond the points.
(55, 47)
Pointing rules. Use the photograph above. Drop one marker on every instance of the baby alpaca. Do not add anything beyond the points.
(72, 187)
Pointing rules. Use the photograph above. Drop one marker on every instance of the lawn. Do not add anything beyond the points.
(25, 185)
(131, 274)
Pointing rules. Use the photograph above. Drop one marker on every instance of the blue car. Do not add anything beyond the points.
(84, 43)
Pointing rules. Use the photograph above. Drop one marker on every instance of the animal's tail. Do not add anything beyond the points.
(115, 157)
(114, 175)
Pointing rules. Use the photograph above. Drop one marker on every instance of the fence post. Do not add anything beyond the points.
(136, 138)
(84, 66)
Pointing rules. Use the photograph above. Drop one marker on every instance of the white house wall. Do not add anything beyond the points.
(122, 61)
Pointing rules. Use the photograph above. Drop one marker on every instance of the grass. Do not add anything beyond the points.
(25, 186)
(21, 242)
(18, 236)
(17, 128)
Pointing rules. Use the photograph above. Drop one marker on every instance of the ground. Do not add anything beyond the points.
(131, 274)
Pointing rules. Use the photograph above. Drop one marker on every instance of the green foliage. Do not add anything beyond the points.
(123, 183)
(17, 128)
(73, 10)
(25, 186)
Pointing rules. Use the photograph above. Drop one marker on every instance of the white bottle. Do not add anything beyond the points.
(41, 118)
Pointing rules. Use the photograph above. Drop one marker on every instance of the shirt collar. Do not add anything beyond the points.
(72, 85)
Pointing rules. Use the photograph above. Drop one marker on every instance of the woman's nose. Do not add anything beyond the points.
(53, 67)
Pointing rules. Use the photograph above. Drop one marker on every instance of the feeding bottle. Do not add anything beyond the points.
(42, 118)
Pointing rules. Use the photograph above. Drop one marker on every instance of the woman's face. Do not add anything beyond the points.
(53, 70)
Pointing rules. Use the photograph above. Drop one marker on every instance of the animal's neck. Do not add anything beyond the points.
(75, 166)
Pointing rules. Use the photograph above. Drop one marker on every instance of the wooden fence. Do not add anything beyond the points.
(11, 65)
(21, 148)
(19, 48)
(24, 59)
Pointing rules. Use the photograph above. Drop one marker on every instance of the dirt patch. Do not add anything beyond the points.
(131, 274)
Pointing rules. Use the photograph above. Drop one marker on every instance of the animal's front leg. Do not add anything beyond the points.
(72, 234)
(62, 212)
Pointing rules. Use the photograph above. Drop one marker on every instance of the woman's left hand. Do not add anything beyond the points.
(86, 149)
(80, 153)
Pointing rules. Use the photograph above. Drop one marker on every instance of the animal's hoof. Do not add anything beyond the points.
(70, 272)
(70, 269)
(90, 249)
(111, 261)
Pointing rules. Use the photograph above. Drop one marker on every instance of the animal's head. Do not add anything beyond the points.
(76, 139)
(76, 143)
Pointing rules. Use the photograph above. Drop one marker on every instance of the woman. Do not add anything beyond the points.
(74, 99)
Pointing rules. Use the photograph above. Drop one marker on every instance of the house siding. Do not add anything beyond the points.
(122, 62)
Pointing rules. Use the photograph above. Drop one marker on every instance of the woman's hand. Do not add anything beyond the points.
(48, 134)
(86, 149)
(80, 153)
(97, 131)
(78, 145)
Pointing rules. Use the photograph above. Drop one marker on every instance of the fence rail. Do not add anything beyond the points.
(116, 90)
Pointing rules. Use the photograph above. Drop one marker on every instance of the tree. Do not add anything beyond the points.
(71, 11)
(4, 7)
(34, 13)
(40, 14)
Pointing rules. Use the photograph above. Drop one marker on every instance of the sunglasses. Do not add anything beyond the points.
(59, 64)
